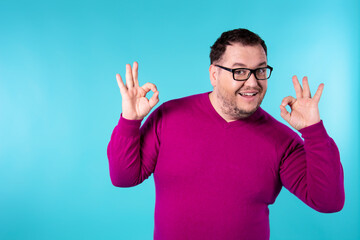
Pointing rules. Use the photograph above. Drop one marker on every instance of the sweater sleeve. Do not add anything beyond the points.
(311, 169)
(132, 151)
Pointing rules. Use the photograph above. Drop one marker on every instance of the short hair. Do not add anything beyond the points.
(240, 35)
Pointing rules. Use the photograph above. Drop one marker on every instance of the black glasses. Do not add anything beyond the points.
(243, 74)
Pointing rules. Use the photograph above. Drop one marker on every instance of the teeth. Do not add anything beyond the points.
(248, 94)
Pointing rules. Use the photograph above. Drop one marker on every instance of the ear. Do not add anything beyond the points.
(213, 74)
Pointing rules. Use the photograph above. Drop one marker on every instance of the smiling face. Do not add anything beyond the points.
(237, 99)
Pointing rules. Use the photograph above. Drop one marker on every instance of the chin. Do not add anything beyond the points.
(237, 108)
(240, 112)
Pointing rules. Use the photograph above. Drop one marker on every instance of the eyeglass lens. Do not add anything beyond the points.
(261, 73)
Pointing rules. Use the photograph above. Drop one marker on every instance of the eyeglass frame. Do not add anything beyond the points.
(252, 71)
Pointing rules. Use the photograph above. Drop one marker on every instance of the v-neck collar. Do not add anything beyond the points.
(218, 118)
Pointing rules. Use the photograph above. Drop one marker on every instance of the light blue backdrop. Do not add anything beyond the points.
(59, 103)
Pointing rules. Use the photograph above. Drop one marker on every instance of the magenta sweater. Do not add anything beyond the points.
(214, 179)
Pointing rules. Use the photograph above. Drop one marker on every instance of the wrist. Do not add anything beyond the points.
(130, 117)
(308, 124)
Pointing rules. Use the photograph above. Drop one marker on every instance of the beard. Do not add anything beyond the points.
(230, 107)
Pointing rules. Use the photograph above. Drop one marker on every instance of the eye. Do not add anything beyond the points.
(241, 72)
(261, 71)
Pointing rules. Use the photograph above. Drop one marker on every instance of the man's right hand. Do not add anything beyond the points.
(135, 105)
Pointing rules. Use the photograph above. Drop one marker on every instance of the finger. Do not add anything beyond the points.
(135, 74)
(318, 93)
(154, 99)
(129, 77)
(306, 88)
(149, 86)
(120, 84)
(284, 113)
(297, 87)
(289, 100)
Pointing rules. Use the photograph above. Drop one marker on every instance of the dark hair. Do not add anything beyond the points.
(240, 35)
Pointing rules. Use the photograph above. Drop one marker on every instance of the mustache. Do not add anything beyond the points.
(257, 89)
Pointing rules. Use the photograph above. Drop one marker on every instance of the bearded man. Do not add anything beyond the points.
(217, 157)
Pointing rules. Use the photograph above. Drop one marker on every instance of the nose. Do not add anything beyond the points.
(251, 81)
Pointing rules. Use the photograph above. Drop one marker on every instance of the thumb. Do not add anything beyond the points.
(154, 99)
(284, 113)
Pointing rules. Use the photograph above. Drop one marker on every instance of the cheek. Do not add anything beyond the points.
(232, 84)
(236, 86)
(229, 85)
(264, 86)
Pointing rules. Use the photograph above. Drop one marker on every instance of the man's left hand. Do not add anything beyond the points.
(304, 108)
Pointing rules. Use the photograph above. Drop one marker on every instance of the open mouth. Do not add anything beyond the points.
(248, 94)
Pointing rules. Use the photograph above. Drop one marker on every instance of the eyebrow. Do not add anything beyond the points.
(243, 65)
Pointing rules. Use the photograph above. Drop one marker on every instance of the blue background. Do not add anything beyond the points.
(59, 102)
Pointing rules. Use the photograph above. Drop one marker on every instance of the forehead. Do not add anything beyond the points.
(249, 56)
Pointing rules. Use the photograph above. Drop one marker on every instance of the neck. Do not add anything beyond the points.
(215, 103)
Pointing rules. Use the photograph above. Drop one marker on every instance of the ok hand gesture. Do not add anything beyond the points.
(304, 108)
(135, 105)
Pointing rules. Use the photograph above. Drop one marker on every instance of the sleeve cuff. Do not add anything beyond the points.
(315, 130)
(129, 128)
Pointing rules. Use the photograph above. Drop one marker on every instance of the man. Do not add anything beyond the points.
(219, 159)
